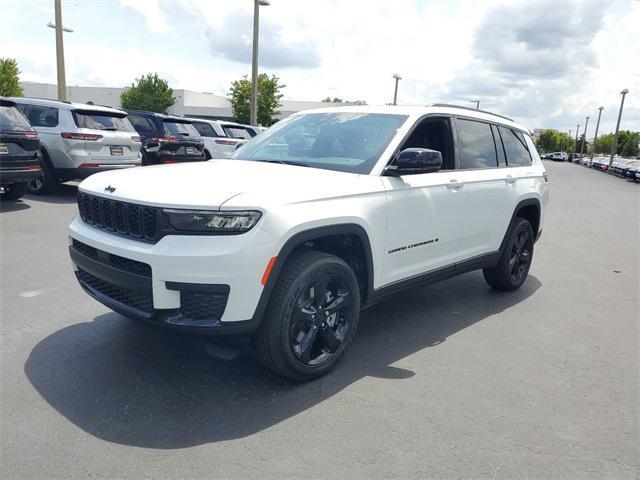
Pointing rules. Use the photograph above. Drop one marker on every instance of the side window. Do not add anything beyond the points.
(205, 129)
(40, 116)
(433, 133)
(502, 160)
(477, 149)
(516, 148)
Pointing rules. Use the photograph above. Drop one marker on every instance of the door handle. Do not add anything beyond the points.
(455, 184)
(509, 179)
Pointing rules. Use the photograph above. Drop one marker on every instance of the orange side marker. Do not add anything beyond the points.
(267, 271)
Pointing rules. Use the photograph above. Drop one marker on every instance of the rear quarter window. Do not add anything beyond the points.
(10, 117)
(515, 147)
(40, 116)
(238, 132)
(180, 128)
(205, 130)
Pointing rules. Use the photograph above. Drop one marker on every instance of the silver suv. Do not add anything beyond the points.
(79, 140)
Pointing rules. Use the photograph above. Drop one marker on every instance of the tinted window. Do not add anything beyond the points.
(515, 147)
(180, 128)
(477, 149)
(101, 121)
(502, 161)
(143, 125)
(40, 116)
(11, 117)
(237, 132)
(204, 129)
(348, 142)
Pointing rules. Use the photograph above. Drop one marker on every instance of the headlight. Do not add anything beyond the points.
(215, 222)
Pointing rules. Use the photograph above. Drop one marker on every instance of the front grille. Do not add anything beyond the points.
(139, 300)
(126, 264)
(134, 221)
(202, 305)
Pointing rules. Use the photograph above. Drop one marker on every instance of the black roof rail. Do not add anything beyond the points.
(449, 105)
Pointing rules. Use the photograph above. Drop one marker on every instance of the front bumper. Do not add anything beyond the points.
(203, 284)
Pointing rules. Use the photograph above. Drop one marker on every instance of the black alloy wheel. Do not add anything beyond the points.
(320, 321)
(520, 259)
(513, 267)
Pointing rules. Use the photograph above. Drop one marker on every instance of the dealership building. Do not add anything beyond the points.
(188, 103)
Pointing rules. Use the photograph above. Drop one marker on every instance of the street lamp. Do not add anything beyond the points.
(575, 145)
(395, 92)
(62, 83)
(615, 137)
(595, 137)
(584, 136)
(253, 120)
(477, 102)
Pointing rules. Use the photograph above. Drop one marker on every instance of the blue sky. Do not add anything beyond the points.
(548, 64)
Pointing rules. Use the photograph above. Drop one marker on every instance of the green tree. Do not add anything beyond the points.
(630, 147)
(268, 99)
(9, 78)
(548, 141)
(603, 143)
(150, 93)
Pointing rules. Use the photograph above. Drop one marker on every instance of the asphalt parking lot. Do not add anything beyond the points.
(451, 380)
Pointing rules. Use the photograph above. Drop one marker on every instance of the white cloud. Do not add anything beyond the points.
(155, 18)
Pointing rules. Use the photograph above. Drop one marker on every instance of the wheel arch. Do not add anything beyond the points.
(529, 209)
(348, 241)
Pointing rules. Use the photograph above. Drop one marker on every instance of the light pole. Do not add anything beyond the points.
(477, 102)
(615, 136)
(575, 145)
(62, 83)
(584, 136)
(595, 137)
(395, 91)
(562, 142)
(253, 120)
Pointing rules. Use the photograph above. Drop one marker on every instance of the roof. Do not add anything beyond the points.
(419, 111)
(65, 105)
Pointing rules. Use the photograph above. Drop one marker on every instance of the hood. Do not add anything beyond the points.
(210, 184)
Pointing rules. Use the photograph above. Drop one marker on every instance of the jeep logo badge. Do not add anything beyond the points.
(110, 189)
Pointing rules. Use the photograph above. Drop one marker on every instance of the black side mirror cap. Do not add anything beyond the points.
(412, 161)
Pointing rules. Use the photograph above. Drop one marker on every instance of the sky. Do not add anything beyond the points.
(548, 64)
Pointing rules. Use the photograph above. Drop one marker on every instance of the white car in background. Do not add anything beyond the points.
(217, 144)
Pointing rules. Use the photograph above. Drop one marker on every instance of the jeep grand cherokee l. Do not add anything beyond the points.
(19, 152)
(325, 213)
(78, 140)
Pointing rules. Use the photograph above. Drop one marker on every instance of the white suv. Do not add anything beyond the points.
(79, 140)
(320, 216)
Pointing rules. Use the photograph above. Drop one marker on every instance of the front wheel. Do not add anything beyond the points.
(14, 191)
(311, 318)
(514, 264)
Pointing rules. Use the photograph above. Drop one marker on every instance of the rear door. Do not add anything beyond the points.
(109, 137)
(491, 185)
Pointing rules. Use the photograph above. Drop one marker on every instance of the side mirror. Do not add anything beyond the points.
(412, 161)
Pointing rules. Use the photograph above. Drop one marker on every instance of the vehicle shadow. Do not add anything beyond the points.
(13, 205)
(62, 194)
(127, 383)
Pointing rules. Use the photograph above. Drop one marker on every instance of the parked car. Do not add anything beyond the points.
(216, 142)
(238, 130)
(634, 172)
(600, 163)
(78, 140)
(622, 166)
(324, 214)
(166, 138)
(559, 156)
(19, 152)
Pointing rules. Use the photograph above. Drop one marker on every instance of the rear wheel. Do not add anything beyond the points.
(46, 182)
(513, 267)
(311, 318)
(14, 191)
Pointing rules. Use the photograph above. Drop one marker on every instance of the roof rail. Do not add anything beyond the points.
(47, 99)
(449, 105)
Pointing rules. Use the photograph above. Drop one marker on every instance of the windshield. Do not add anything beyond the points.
(347, 142)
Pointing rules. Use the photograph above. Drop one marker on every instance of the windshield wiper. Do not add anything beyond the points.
(286, 162)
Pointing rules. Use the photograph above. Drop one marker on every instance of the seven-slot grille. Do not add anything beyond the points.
(135, 221)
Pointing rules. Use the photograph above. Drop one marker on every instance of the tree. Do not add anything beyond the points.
(630, 147)
(333, 100)
(150, 92)
(9, 78)
(603, 143)
(548, 141)
(268, 99)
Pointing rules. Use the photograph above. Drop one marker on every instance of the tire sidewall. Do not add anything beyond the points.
(521, 224)
(327, 265)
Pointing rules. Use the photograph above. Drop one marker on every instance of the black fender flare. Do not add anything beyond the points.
(523, 203)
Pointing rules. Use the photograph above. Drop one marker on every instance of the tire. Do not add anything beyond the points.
(207, 155)
(47, 182)
(14, 191)
(512, 269)
(294, 340)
